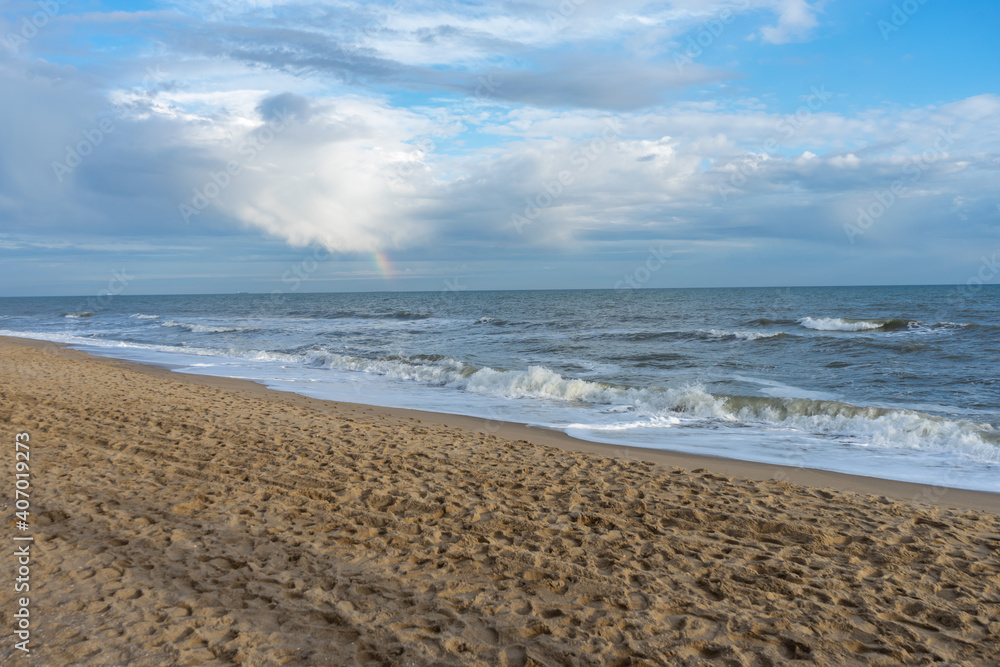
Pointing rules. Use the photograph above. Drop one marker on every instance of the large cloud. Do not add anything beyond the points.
(235, 135)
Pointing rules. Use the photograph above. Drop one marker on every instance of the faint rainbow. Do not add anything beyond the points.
(383, 264)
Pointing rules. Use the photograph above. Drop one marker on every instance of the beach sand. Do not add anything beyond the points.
(194, 520)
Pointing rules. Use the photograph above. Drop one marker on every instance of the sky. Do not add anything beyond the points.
(188, 146)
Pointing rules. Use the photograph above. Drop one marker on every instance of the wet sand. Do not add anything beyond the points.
(185, 519)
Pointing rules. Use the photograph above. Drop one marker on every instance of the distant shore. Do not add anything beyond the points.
(182, 519)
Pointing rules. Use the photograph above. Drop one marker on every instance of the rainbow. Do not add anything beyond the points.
(383, 264)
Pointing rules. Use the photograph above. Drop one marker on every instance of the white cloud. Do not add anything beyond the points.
(341, 178)
(796, 18)
(360, 173)
(849, 161)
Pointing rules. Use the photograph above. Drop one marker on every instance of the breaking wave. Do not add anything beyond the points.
(204, 328)
(873, 426)
(671, 406)
(880, 325)
(744, 335)
(842, 324)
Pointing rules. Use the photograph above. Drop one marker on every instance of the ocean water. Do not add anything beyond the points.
(893, 382)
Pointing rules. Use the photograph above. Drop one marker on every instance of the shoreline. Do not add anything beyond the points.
(910, 492)
(185, 519)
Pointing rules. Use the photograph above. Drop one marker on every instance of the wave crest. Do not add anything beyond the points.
(204, 328)
(875, 426)
(845, 324)
(744, 335)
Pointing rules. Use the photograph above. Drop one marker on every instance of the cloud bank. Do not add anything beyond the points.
(560, 128)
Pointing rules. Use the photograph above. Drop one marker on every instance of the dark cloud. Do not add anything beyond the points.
(285, 104)
(597, 81)
(583, 78)
(297, 51)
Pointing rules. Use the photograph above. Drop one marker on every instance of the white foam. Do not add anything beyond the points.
(838, 324)
(204, 328)
(125, 347)
(897, 429)
(742, 335)
(905, 429)
(651, 423)
(539, 389)
(782, 390)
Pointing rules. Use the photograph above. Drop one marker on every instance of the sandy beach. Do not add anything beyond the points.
(194, 520)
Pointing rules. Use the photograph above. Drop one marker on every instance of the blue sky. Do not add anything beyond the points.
(204, 147)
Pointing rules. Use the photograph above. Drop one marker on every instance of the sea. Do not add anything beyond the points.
(898, 383)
